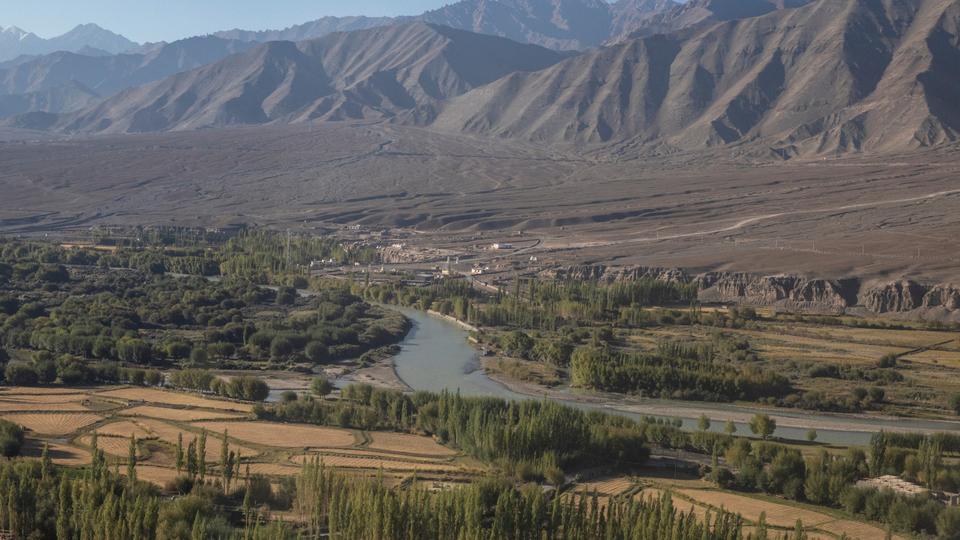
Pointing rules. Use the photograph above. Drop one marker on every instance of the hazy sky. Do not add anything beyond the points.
(167, 20)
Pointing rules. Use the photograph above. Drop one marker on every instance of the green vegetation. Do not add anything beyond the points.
(243, 387)
(530, 438)
(831, 479)
(81, 325)
(11, 439)
(676, 377)
(490, 510)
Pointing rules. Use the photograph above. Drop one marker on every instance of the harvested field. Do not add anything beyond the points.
(177, 415)
(682, 505)
(174, 398)
(606, 486)
(113, 446)
(61, 454)
(273, 469)
(370, 453)
(54, 402)
(282, 435)
(408, 444)
(777, 346)
(386, 464)
(9, 406)
(54, 423)
(155, 475)
(44, 399)
(782, 515)
(43, 391)
(949, 359)
(168, 434)
(124, 429)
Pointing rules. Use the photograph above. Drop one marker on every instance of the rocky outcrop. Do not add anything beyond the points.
(894, 297)
(905, 296)
(795, 293)
(783, 291)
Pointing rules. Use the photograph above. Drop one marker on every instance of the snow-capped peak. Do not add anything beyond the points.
(13, 30)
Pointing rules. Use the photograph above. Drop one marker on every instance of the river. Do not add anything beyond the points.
(436, 356)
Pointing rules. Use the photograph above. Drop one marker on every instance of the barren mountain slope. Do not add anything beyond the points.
(701, 13)
(365, 74)
(69, 97)
(104, 76)
(310, 30)
(827, 77)
(556, 24)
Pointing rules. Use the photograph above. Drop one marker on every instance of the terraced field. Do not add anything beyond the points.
(696, 496)
(62, 419)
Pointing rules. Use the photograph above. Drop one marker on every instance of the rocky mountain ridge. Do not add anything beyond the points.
(16, 42)
(827, 78)
(362, 75)
(66, 81)
(555, 24)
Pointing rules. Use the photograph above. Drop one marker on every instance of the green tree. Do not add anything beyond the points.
(132, 459)
(20, 375)
(202, 456)
(763, 425)
(729, 428)
(955, 403)
(948, 524)
(930, 456)
(180, 456)
(281, 347)
(320, 386)
(225, 461)
(317, 352)
(878, 450)
(811, 435)
(198, 356)
(703, 423)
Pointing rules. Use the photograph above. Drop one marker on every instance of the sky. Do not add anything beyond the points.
(169, 20)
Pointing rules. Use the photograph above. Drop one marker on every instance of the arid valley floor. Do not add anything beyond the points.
(864, 216)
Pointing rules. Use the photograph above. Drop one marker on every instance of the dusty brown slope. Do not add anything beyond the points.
(79, 75)
(354, 75)
(824, 78)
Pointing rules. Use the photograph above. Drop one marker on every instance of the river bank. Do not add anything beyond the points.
(437, 356)
(692, 411)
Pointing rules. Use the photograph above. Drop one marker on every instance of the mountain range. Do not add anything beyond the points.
(828, 77)
(555, 24)
(15, 42)
(367, 74)
(782, 78)
(66, 81)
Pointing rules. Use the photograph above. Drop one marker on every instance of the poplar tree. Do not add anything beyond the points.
(132, 460)
(202, 455)
(179, 453)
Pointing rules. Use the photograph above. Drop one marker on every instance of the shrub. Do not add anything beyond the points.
(281, 347)
(20, 375)
(286, 296)
(11, 438)
(321, 386)
(317, 352)
(887, 361)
